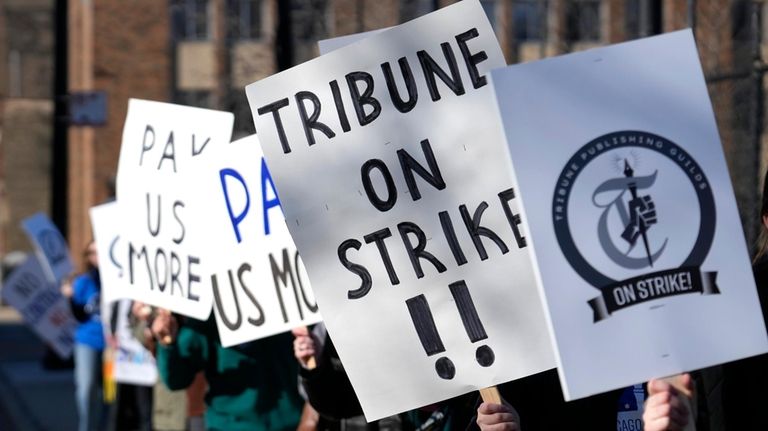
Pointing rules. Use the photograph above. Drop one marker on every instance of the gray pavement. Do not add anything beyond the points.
(31, 397)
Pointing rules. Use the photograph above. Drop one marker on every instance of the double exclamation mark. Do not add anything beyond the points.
(430, 338)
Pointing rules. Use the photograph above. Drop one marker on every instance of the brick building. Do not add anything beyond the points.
(26, 115)
(203, 52)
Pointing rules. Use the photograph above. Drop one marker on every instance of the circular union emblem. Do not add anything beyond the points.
(638, 207)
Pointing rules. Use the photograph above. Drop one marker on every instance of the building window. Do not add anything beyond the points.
(583, 21)
(245, 19)
(489, 6)
(191, 20)
(411, 9)
(529, 20)
(642, 18)
(196, 98)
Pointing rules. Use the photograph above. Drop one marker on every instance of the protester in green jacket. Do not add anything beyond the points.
(250, 387)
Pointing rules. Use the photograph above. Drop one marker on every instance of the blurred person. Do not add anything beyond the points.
(171, 410)
(132, 408)
(84, 298)
(745, 382)
(251, 386)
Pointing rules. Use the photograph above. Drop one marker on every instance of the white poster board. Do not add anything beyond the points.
(418, 263)
(159, 245)
(110, 246)
(327, 45)
(50, 246)
(260, 287)
(133, 363)
(628, 197)
(37, 299)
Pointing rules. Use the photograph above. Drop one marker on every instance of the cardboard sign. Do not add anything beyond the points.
(113, 271)
(50, 245)
(260, 287)
(37, 299)
(327, 45)
(132, 362)
(637, 239)
(419, 263)
(159, 246)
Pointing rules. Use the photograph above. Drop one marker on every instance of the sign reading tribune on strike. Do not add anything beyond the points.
(398, 192)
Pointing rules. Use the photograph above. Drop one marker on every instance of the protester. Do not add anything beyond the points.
(171, 410)
(84, 298)
(745, 387)
(133, 403)
(250, 386)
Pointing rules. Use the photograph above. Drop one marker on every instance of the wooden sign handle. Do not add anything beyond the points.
(491, 395)
(675, 381)
(311, 363)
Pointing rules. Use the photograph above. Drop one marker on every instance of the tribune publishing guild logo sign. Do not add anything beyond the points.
(635, 217)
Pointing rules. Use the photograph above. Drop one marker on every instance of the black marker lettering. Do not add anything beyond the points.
(378, 237)
(418, 252)
(470, 59)
(360, 100)
(310, 122)
(409, 165)
(168, 155)
(410, 85)
(512, 218)
(365, 173)
(340, 110)
(431, 68)
(476, 231)
(355, 268)
(274, 108)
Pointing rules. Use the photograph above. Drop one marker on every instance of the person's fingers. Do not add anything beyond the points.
(656, 385)
(509, 426)
(492, 417)
(491, 408)
(662, 424)
(686, 381)
(496, 418)
(300, 331)
(664, 411)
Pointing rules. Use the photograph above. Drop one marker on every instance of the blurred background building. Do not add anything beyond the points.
(68, 67)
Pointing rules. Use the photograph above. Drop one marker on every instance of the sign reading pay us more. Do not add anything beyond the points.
(156, 192)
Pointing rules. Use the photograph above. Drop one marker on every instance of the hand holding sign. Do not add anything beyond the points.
(304, 347)
(165, 327)
(669, 404)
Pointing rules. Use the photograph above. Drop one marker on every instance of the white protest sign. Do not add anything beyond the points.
(159, 247)
(106, 233)
(37, 299)
(628, 199)
(50, 245)
(396, 186)
(260, 287)
(133, 363)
